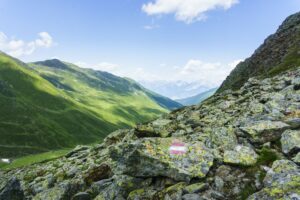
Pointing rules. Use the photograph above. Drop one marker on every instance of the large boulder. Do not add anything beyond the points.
(290, 141)
(241, 155)
(223, 138)
(151, 157)
(12, 190)
(157, 128)
(281, 182)
(264, 130)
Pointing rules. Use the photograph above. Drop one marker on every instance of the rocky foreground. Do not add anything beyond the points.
(240, 144)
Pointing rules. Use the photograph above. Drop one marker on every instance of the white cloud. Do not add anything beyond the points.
(17, 47)
(200, 73)
(186, 10)
(206, 73)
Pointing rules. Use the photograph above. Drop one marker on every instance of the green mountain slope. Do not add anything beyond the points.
(197, 98)
(102, 90)
(59, 107)
(284, 48)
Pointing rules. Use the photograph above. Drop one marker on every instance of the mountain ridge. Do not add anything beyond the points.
(41, 111)
(196, 99)
(278, 52)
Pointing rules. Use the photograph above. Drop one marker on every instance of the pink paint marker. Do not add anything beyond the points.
(178, 148)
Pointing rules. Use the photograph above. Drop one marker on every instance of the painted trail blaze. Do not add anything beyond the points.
(178, 148)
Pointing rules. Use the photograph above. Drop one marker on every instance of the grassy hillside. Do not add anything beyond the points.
(51, 108)
(121, 100)
(197, 98)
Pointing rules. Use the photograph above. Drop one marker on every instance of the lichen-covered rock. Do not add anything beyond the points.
(117, 137)
(12, 190)
(281, 182)
(223, 138)
(142, 194)
(241, 155)
(279, 167)
(290, 141)
(195, 188)
(82, 196)
(191, 197)
(264, 131)
(153, 157)
(173, 192)
(98, 173)
(296, 159)
(157, 128)
(64, 190)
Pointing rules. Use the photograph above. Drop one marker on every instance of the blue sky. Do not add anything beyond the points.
(146, 40)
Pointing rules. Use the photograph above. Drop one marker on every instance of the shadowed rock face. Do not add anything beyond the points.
(236, 145)
(279, 52)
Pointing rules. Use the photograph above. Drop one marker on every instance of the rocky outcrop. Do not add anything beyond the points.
(281, 182)
(279, 52)
(153, 157)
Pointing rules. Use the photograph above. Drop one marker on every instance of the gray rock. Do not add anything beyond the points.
(153, 157)
(296, 159)
(12, 190)
(241, 155)
(81, 196)
(195, 188)
(281, 182)
(191, 197)
(290, 141)
(264, 131)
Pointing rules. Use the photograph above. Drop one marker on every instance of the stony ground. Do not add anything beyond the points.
(241, 144)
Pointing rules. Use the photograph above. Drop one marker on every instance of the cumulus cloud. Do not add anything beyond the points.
(17, 47)
(204, 74)
(186, 10)
(207, 73)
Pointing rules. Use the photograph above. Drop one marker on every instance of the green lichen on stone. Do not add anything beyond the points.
(290, 140)
(264, 131)
(194, 188)
(241, 155)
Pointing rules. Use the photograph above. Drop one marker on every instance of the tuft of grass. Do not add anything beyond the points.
(267, 156)
(32, 159)
(291, 61)
(247, 191)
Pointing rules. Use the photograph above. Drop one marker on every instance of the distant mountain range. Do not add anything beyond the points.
(175, 89)
(53, 104)
(197, 98)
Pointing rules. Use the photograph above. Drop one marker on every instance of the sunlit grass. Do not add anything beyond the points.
(32, 159)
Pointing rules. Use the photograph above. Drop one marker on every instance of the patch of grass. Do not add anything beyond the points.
(32, 159)
(291, 61)
(247, 191)
(267, 156)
